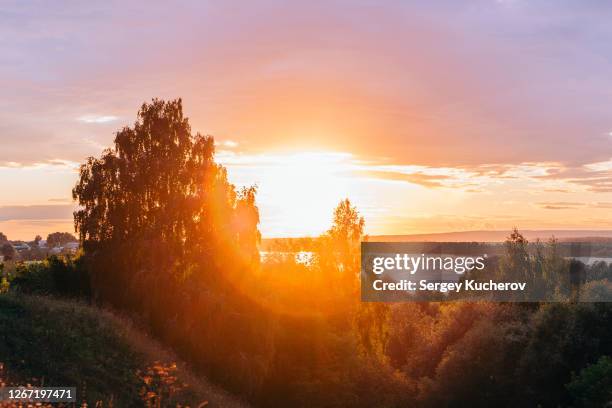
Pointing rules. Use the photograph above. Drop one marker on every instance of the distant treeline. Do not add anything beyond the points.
(576, 247)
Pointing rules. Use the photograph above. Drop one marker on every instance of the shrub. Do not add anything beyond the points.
(593, 386)
(59, 276)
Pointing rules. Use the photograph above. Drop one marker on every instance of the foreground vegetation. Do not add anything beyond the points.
(317, 345)
(44, 341)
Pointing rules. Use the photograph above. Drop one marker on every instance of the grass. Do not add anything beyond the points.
(45, 341)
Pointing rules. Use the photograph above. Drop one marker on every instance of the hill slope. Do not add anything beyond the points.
(63, 343)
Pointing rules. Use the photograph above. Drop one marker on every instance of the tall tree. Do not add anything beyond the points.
(158, 217)
(339, 247)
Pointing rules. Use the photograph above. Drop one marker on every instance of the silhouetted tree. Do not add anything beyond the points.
(158, 218)
(516, 265)
(57, 239)
(8, 252)
(339, 248)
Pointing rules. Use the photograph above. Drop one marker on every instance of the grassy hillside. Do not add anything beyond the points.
(63, 343)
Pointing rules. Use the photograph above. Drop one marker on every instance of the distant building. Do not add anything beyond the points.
(21, 246)
(71, 247)
(56, 251)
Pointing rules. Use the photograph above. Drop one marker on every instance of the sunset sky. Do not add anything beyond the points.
(429, 116)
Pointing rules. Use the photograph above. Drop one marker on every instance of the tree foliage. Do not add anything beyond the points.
(7, 251)
(57, 239)
(593, 386)
(156, 211)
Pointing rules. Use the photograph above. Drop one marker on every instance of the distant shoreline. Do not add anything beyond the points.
(476, 236)
(500, 236)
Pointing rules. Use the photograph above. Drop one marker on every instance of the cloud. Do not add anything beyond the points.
(602, 205)
(560, 205)
(425, 180)
(98, 119)
(42, 164)
(452, 222)
(597, 184)
(36, 212)
(403, 105)
(470, 178)
(230, 144)
(595, 177)
(571, 205)
(10, 164)
(599, 166)
(556, 190)
(548, 177)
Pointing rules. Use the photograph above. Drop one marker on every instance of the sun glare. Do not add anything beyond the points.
(298, 186)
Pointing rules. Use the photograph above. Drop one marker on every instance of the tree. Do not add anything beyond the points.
(339, 247)
(593, 386)
(166, 237)
(338, 255)
(515, 264)
(158, 218)
(58, 239)
(564, 338)
(37, 240)
(519, 266)
(476, 370)
(3, 238)
(8, 252)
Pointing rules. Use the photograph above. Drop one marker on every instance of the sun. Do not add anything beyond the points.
(303, 187)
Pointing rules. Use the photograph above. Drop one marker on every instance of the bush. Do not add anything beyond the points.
(58, 276)
(593, 386)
